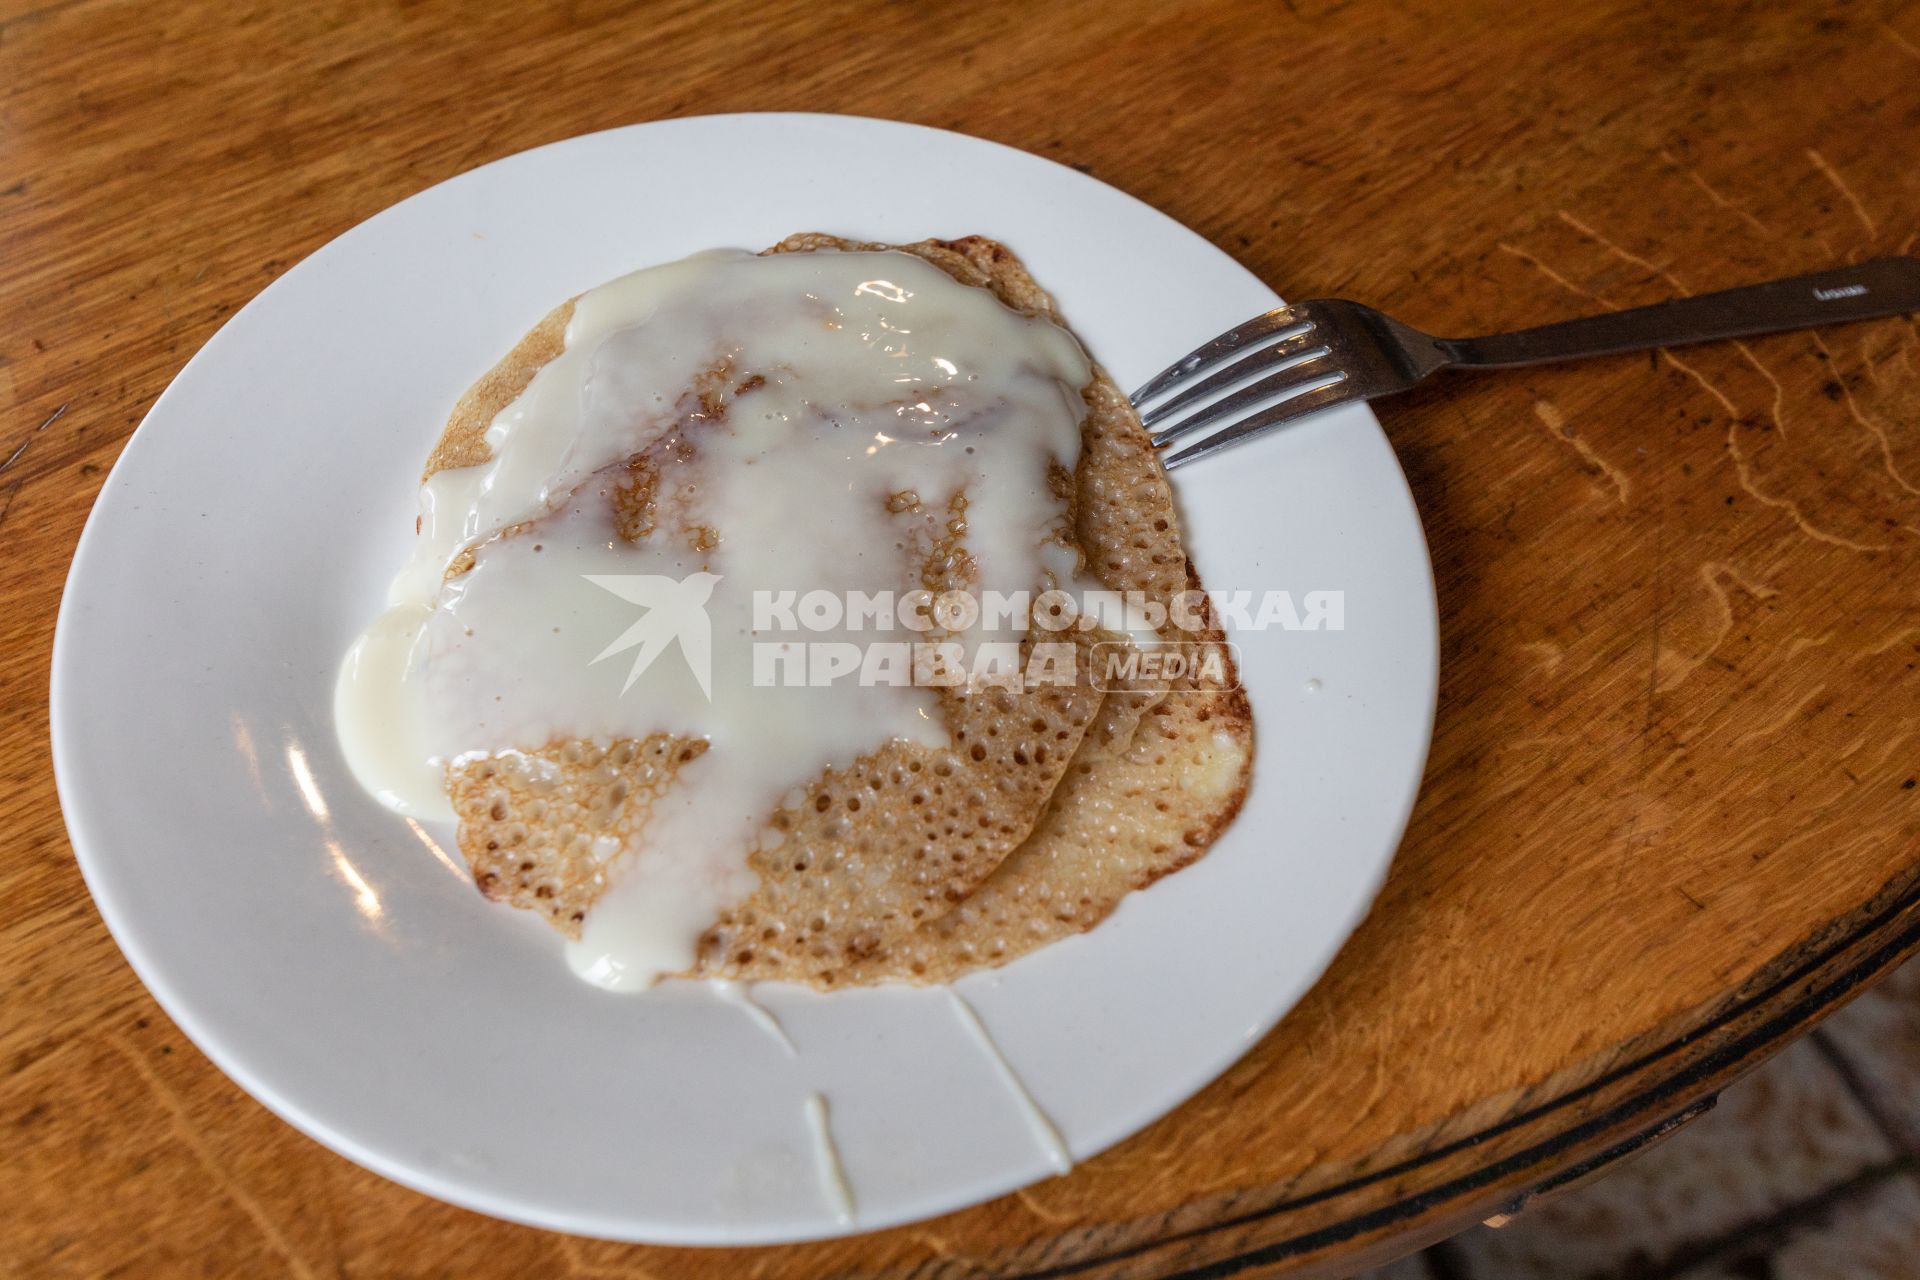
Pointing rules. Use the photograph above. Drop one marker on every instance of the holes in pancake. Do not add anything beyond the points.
(546, 821)
(904, 844)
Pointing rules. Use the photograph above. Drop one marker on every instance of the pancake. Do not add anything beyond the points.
(1155, 781)
(914, 862)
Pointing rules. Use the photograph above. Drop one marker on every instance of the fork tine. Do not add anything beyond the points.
(1217, 350)
(1289, 348)
(1339, 391)
(1301, 373)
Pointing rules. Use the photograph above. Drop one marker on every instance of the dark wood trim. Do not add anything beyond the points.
(1784, 1001)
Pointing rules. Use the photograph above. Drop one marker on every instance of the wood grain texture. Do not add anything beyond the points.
(1671, 814)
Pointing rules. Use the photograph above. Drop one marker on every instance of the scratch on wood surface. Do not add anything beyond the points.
(1380, 1082)
(1860, 211)
(1548, 654)
(1165, 1167)
(1616, 250)
(22, 446)
(1894, 641)
(1541, 740)
(765, 1263)
(1550, 418)
(1713, 570)
(1743, 469)
(1550, 273)
(1659, 615)
(1834, 838)
(578, 1264)
(1668, 759)
(183, 1128)
(1911, 49)
(1717, 198)
(1782, 721)
(1737, 837)
(1799, 643)
(1779, 412)
(1874, 362)
(1870, 363)
(1891, 747)
(939, 1247)
(1878, 432)
(1053, 1216)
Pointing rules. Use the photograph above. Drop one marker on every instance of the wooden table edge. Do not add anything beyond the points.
(1551, 1136)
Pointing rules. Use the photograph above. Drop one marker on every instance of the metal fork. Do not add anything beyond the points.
(1315, 355)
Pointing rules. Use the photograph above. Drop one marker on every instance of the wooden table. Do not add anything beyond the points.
(1671, 816)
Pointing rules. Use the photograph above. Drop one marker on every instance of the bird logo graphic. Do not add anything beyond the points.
(676, 611)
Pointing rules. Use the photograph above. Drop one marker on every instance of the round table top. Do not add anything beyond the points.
(1671, 813)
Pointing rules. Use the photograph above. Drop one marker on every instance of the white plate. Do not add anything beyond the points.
(325, 955)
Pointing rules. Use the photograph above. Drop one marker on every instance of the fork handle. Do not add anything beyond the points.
(1883, 287)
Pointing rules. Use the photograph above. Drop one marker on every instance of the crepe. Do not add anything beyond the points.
(912, 863)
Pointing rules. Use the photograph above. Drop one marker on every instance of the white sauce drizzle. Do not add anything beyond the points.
(876, 374)
(826, 1161)
(1038, 1124)
(381, 716)
(740, 996)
